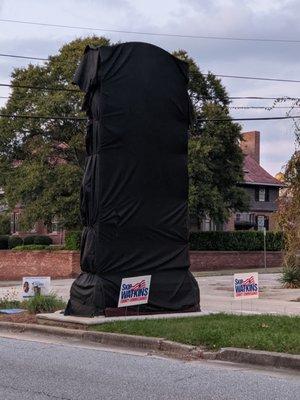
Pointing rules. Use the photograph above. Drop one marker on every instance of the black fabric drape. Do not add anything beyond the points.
(135, 187)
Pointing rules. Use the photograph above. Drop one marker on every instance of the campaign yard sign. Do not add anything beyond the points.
(245, 285)
(33, 285)
(134, 291)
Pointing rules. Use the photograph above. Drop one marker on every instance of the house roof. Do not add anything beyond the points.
(255, 174)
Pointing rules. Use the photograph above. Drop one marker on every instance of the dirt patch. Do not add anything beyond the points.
(24, 317)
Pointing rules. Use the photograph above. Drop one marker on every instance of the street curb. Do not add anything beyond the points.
(259, 357)
(162, 346)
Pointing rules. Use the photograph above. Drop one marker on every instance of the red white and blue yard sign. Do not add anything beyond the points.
(134, 291)
(245, 285)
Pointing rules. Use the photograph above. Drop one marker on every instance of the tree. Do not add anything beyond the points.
(215, 157)
(42, 161)
(289, 209)
(4, 223)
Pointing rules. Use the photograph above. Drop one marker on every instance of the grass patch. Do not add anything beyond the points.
(40, 303)
(36, 304)
(261, 332)
(5, 304)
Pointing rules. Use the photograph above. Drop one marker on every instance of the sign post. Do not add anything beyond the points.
(134, 291)
(265, 248)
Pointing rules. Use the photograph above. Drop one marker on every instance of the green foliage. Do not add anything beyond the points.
(288, 216)
(31, 247)
(72, 240)
(215, 157)
(290, 277)
(41, 303)
(4, 242)
(235, 241)
(261, 332)
(4, 224)
(28, 240)
(38, 240)
(7, 303)
(43, 240)
(14, 241)
(50, 154)
(41, 161)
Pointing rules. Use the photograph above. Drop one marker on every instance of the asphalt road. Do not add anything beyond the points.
(42, 371)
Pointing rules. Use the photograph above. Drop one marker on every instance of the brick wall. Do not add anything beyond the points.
(57, 264)
(217, 260)
(65, 264)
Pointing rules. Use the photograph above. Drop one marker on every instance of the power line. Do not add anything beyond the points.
(231, 38)
(257, 78)
(62, 89)
(263, 98)
(56, 117)
(74, 118)
(25, 57)
(267, 108)
(48, 88)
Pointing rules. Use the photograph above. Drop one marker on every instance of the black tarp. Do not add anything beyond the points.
(134, 193)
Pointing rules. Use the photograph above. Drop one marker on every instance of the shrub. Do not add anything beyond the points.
(41, 303)
(14, 241)
(31, 247)
(4, 224)
(5, 303)
(290, 277)
(235, 241)
(29, 240)
(45, 240)
(73, 239)
(3, 242)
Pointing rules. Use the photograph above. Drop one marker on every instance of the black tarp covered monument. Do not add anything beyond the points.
(134, 195)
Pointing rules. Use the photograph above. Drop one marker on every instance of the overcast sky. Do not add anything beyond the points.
(242, 18)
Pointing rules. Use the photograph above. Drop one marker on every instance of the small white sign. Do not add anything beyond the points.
(134, 291)
(33, 285)
(245, 285)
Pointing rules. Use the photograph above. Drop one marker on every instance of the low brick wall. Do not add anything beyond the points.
(218, 260)
(65, 264)
(57, 264)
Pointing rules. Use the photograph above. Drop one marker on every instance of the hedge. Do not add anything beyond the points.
(38, 240)
(235, 241)
(29, 240)
(14, 241)
(44, 240)
(72, 240)
(4, 242)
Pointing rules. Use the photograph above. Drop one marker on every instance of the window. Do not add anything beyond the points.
(262, 194)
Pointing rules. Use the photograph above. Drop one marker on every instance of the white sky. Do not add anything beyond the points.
(243, 18)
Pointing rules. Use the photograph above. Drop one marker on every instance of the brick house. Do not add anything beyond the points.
(56, 233)
(262, 188)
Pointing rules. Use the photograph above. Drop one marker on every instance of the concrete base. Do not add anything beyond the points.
(59, 319)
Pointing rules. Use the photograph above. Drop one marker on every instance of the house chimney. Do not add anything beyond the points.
(250, 144)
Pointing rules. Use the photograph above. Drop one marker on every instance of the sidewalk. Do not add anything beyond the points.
(216, 294)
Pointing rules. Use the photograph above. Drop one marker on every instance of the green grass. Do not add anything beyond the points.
(41, 304)
(4, 304)
(262, 332)
(36, 304)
